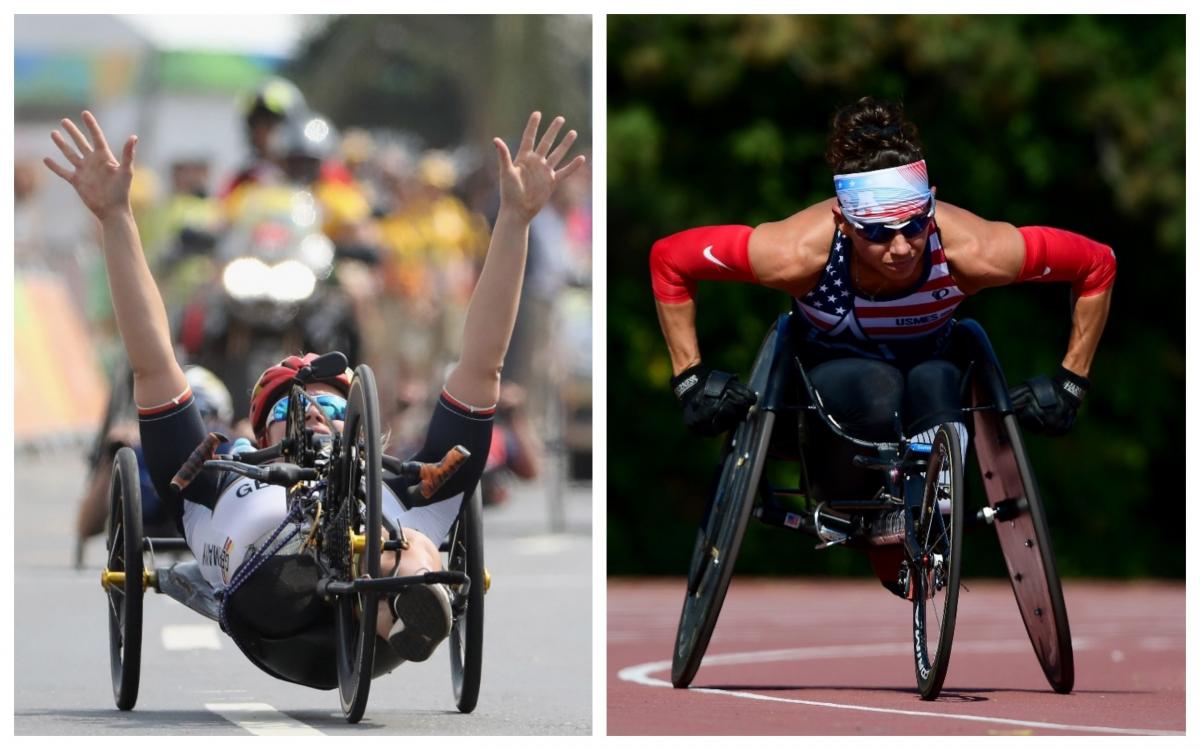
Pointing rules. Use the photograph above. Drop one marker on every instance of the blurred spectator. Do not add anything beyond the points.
(433, 246)
(191, 222)
(264, 110)
(29, 239)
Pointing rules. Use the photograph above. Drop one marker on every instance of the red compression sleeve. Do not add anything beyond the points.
(720, 253)
(1059, 255)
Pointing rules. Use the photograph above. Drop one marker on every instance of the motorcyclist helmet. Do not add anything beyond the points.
(273, 385)
(302, 144)
(275, 100)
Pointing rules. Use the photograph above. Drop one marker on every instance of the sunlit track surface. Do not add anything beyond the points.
(537, 663)
(834, 657)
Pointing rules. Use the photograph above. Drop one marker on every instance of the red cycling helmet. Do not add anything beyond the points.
(273, 385)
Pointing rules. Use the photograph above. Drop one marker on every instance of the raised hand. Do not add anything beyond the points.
(528, 181)
(100, 180)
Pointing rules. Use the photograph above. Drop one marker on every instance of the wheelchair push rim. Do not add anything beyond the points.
(124, 591)
(466, 634)
(360, 493)
(718, 543)
(1023, 533)
(936, 568)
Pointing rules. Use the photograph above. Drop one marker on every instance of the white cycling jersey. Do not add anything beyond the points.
(249, 511)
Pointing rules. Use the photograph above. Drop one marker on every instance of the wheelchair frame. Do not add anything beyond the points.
(1013, 504)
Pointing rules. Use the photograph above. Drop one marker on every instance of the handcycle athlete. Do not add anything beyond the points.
(876, 274)
(224, 517)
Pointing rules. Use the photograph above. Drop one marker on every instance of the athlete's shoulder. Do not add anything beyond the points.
(790, 254)
(981, 253)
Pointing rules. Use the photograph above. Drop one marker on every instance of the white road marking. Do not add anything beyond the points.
(260, 718)
(191, 638)
(640, 674)
(543, 544)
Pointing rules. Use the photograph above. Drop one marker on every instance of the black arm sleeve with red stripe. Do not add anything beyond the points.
(453, 424)
(168, 438)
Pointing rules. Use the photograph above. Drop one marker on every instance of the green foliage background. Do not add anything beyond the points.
(1075, 122)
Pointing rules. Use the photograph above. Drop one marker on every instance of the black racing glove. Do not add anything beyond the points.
(712, 401)
(1047, 406)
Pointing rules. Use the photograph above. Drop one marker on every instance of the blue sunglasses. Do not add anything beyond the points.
(333, 406)
(883, 233)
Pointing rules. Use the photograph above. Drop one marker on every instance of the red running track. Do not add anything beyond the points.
(805, 657)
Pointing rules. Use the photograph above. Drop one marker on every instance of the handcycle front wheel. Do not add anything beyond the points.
(361, 493)
(718, 543)
(123, 578)
(936, 568)
(466, 635)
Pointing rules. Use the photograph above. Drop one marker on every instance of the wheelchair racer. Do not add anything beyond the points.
(876, 274)
(223, 517)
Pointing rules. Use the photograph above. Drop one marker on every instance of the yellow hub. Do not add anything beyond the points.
(487, 580)
(117, 578)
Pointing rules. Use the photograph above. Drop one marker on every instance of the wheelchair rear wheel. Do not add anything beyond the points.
(936, 571)
(361, 497)
(125, 592)
(718, 543)
(1020, 523)
(466, 635)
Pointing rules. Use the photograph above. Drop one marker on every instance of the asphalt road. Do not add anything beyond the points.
(537, 670)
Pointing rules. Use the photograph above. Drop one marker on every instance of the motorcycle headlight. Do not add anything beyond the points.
(317, 253)
(245, 278)
(291, 281)
(304, 209)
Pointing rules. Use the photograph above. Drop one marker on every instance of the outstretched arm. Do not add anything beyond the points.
(526, 184)
(102, 183)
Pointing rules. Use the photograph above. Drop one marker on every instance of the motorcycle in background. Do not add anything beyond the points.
(275, 293)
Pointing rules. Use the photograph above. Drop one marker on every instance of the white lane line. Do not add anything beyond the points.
(191, 638)
(640, 674)
(260, 718)
(543, 544)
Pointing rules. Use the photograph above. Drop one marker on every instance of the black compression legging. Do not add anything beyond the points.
(864, 396)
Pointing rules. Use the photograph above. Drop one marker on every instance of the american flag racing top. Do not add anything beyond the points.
(838, 318)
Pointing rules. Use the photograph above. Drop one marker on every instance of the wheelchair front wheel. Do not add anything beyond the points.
(466, 635)
(361, 499)
(124, 590)
(937, 567)
(718, 543)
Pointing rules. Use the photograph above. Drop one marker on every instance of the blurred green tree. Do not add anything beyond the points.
(449, 79)
(1068, 121)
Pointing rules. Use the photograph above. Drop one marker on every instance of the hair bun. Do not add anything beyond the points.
(871, 134)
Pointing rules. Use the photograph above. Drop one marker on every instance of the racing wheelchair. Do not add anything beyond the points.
(920, 505)
(308, 617)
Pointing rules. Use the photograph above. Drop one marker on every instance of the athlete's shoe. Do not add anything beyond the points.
(423, 620)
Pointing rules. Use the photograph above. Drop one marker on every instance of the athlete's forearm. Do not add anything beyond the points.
(140, 313)
(678, 322)
(1087, 324)
(492, 313)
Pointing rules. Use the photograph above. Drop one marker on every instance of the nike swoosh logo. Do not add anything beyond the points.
(1046, 272)
(708, 254)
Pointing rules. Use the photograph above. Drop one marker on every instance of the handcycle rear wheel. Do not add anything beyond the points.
(124, 545)
(718, 543)
(1024, 538)
(936, 571)
(361, 497)
(466, 635)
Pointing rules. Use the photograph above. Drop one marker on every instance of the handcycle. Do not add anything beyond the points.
(308, 617)
(920, 505)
